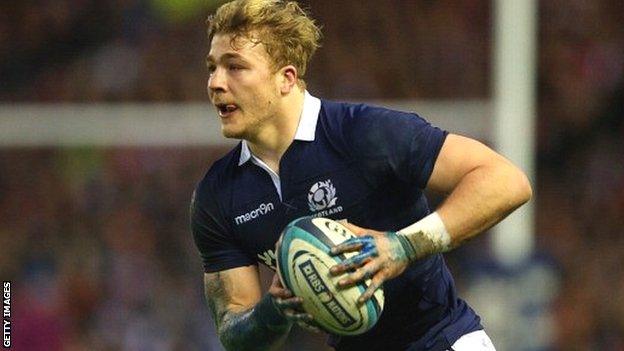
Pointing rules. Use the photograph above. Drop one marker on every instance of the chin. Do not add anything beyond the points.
(232, 133)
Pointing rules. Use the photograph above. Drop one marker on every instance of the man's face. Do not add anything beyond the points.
(242, 85)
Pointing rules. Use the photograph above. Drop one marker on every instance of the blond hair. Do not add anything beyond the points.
(288, 34)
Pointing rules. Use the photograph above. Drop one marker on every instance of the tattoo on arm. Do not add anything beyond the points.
(242, 328)
(216, 298)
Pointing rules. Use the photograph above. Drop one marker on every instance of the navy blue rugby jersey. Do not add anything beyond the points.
(348, 161)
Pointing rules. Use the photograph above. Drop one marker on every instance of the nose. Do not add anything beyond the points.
(217, 81)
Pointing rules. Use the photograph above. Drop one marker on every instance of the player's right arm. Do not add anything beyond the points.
(244, 319)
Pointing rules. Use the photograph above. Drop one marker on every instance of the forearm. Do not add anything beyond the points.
(481, 199)
(245, 320)
(258, 328)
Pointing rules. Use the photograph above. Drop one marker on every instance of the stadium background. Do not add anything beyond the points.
(96, 239)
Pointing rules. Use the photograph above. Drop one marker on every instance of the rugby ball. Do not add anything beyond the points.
(303, 262)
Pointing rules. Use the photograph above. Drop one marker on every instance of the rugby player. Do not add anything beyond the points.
(299, 156)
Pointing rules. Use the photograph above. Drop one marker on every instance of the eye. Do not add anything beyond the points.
(211, 68)
(235, 67)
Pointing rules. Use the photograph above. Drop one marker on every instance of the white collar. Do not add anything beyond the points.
(305, 130)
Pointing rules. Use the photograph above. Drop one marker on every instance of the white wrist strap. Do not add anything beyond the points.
(433, 229)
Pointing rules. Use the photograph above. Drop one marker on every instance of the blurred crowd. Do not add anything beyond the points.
(96, 240)
(154, 50)
(580, 183)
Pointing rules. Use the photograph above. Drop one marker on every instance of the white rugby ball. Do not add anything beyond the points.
(303, 263)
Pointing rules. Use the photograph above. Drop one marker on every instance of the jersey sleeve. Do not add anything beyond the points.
(402, 144)
(217, 247)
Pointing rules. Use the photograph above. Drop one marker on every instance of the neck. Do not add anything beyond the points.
(272, 141)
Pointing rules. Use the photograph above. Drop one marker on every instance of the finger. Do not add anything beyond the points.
(309, 327)
(353, 262)
(281, 293)
(364, 243)
(290, 303)
(296, 316)
(351, 244)
(277, 289)
(375, 284)
(362, 274)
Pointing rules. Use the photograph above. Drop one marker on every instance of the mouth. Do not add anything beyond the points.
(226, 110)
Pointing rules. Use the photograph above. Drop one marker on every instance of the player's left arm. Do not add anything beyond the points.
(483, 188)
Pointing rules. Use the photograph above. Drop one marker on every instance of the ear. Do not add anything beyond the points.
(288, 76)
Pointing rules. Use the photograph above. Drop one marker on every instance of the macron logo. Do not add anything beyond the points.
(253, 214)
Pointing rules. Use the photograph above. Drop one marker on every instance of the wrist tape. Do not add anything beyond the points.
(425, 237)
